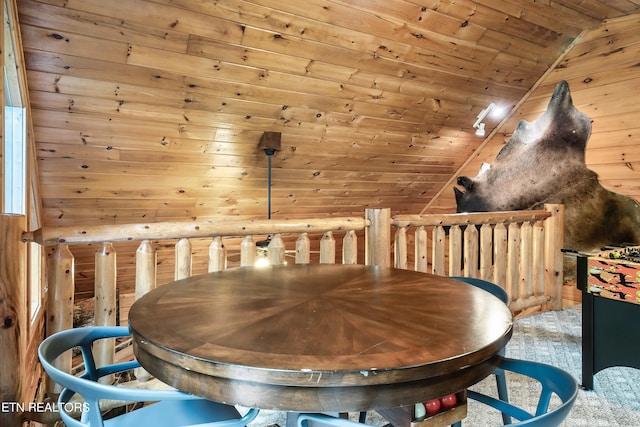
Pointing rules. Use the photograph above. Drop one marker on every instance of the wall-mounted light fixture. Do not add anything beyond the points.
(478, 124)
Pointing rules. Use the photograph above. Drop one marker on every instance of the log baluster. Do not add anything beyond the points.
(247, 251)
(327, 248)
(486, 252)
(275, 250)
(217, 255)
(525, 286)
(421, 261)
(146, 261)
(513, 258)
(538, 258)
(470, 250)
(455, 250)
(400, 248)
(350, 248)
(105, 303)
(303, 249)
(60, 265)
(183, 259)
(438, 251)
(500, 245)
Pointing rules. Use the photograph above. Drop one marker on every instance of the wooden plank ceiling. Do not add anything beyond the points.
(152, 110)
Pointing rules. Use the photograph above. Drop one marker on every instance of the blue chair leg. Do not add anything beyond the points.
(503, 394)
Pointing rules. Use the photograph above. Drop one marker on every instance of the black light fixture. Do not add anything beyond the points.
(270, 142)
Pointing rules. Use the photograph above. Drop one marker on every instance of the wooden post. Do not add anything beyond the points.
(60, 268)
(105, 303)
(146, 257)
(378, 237)
(350, 248)
(217, 255)
(553, 257)
(13, 315)
(327, 248)
(247, 252)
(303, 249)
(183, 259)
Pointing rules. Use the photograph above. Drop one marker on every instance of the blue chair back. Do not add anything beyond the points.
(173, 408)
(554, 381)
(490, 287)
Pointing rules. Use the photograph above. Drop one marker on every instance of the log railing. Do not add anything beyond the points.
(518, 250)
(61, 261)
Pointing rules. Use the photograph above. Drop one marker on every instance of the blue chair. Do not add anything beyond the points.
(490, 287)
(173, 407)
(501, 294)
(554, 381)
(318, 420)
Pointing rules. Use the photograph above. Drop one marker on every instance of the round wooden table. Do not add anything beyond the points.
(319, 337)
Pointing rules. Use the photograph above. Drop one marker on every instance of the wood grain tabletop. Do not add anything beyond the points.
(319, 337)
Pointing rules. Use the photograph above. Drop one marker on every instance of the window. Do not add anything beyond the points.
(17, 193)
(15, 190)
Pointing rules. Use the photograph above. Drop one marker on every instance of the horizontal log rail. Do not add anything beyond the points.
(477, 218)
(51, 236)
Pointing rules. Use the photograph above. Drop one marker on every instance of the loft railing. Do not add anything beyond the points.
(520, 251)
(60, 266)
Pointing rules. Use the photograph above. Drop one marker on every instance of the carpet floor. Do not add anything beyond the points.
(555, 338)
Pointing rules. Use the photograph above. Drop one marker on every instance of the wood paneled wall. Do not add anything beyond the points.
(603, 72)
(154, 112)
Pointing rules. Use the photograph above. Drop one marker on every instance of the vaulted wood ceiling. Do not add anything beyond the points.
(152, 110)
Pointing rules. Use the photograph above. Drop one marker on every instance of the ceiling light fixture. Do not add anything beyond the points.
(478, 123)
(270, 142)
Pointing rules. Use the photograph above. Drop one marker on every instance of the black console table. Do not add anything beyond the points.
(610, 286)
